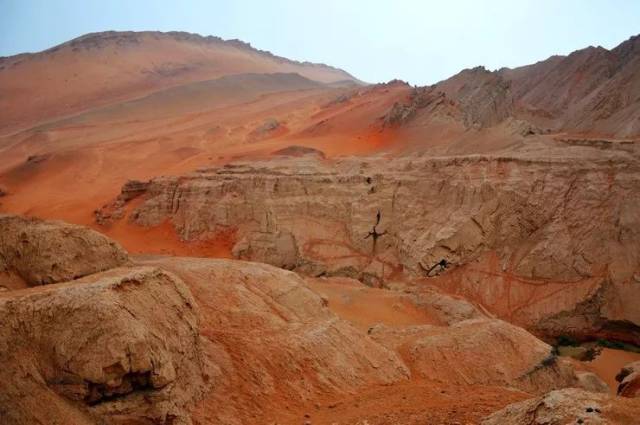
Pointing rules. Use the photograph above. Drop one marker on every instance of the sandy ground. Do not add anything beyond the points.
(608, 364)
(94, 154)
(365, 307)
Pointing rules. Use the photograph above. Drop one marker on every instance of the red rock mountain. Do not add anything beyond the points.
(103, 68)
(420, 242)
(594, 91)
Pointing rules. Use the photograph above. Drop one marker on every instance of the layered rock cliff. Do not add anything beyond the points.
(549, 243)
(189, 340)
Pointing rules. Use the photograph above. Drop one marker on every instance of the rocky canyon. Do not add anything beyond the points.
(195, 231)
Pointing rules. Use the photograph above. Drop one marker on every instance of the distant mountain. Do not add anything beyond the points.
(103, 68)
(593, 91)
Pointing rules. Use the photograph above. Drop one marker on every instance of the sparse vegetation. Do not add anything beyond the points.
(568, 346)
(618, 345)
(567, 341)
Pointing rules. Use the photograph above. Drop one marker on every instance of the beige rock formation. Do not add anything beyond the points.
(275, 341)
(479, 351)
(35, 252)
(176, 340)
(629, 379)
(592, 382)
(449, 310)
(551, 244)
(568, 406)
(122, 346)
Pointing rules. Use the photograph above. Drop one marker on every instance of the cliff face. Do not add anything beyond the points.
(552, 244)
(592, 91)
(173, 340)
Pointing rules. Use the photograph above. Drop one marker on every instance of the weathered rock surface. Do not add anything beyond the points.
(275, 341)
(629, 379)
(479, 351)
(129, 345)
(117, 347)
(591, 382)
(568, 406)
(551, 244)
(35, 252)
(449, 310)
(297, 151)
(592, 90)
(484, 97)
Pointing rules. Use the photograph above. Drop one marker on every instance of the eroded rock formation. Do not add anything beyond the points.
(273, 338)
(479, 351)
(551, 244)
(35, 252)
(165, 339)
(121, 346)
(629, 379)
(568, 406)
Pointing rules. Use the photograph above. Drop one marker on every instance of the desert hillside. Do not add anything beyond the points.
(193, 231)
(103, 68)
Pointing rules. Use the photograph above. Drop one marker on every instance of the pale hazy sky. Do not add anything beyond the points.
(418, 41)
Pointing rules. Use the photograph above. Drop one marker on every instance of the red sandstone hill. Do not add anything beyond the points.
(103, 68)
(109, 107)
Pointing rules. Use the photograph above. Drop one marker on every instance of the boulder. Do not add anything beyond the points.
(37, 252)
(568, 406)
(629, 379)
(592, 382)
(122, 346)
(478, 352)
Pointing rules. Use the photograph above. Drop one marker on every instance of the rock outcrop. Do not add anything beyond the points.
(273, 339)
(591, 382)
(479, 351)
(629, 379)
(449, 310)
(180, 340)
(483, 97)
(568, 406)
(551, 244)
(35, 252)
(297, 151)
(593, 90)
(121, 346)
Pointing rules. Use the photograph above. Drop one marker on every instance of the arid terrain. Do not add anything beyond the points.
(194, 231)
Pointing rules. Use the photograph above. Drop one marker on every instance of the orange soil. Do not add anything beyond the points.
(608, 364)
(164, 240)
(413, 402)
(365, 307)
(407, 403)
(86, 159)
